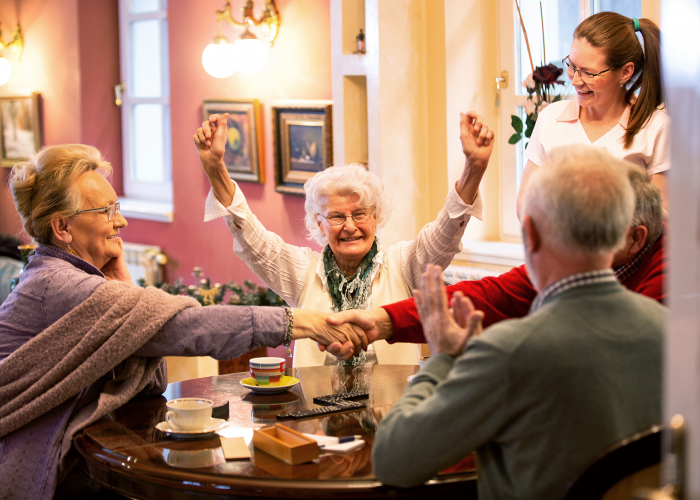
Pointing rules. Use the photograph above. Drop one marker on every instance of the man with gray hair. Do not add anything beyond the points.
(537, 398)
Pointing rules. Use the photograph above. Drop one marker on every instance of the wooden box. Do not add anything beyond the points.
(286, 444)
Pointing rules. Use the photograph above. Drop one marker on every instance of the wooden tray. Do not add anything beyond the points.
(286, 444)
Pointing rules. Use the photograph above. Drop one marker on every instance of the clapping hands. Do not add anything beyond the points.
(446, 330)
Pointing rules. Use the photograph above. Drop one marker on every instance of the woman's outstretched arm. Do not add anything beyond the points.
(281, 266)
(439, 241)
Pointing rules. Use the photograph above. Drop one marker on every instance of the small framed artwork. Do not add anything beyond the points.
(20, 125)
(243, 154)
(303, 142)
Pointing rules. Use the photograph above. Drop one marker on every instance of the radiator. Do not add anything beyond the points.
(145, 262)
(455, 274)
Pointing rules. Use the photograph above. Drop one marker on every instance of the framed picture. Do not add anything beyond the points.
(303, 142)
(243, 154)
(20, 125)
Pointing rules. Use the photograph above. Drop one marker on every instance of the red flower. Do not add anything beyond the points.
(548, 74)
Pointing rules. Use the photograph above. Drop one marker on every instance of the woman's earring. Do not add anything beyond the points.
(622, 84)
(70, 250)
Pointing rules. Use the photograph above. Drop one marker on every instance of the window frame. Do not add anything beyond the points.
(508, 39)
(143, 199)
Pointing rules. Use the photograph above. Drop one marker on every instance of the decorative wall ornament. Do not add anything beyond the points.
(244, 153)
(302, 142)
(20, 126)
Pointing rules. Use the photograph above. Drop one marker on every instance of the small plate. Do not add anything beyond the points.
(214, 425)
(285, 384)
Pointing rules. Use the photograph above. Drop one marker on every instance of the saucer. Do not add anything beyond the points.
(285, 384)
(214, 425)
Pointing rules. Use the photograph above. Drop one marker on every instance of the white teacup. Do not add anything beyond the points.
(189, 414)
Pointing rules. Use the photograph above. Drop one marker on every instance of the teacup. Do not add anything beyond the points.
(267, 371)
(189, 414)
(423, 360)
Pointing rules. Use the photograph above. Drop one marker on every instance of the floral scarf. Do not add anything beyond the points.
(350, 293)
(354, 292)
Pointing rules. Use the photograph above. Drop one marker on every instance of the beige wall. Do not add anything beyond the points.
(470, 52)
(426, 61)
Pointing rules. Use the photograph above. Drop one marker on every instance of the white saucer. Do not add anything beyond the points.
(411, 377)
(214, 425)
(286, 384)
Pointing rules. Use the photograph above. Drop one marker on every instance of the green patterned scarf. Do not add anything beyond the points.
(349, 293)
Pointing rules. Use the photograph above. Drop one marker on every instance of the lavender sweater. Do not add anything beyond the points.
(52, 284)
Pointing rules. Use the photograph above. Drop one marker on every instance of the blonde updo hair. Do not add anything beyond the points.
(43, 186)
(344, 180)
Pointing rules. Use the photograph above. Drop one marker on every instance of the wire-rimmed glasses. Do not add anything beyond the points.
(357, 217)
(110, 210)
(586, 76)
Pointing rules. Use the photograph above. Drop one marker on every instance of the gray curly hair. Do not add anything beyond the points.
(344, 180)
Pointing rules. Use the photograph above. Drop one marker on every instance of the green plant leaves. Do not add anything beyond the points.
(530, 126)
(516, 123)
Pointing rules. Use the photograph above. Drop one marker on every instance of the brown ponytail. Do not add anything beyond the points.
(614, 34)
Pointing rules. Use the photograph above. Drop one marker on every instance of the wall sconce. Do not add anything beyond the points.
(248, 55)
(217, 58)
(16, 45)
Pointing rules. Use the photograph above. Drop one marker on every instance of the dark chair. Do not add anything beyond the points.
(618, 462)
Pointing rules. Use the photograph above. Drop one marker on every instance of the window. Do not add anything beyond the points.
(143, 32)
(559, 18)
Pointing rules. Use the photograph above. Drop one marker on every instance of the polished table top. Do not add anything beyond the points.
(128, 454)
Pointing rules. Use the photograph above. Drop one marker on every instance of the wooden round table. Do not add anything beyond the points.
(126, 453)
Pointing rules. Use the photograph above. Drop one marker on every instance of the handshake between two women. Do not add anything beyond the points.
(447, 324)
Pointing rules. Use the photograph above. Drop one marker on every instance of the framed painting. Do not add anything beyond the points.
(243, 154)
(20, 125)
(303, 142)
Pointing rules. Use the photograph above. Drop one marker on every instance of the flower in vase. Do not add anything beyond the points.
(543, 105)
(529, 83)
(547, 75)
(530, 106)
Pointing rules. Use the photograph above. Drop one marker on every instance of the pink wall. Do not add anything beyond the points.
(72, 59)
(299, 67)
(99, 73)
(50, 65)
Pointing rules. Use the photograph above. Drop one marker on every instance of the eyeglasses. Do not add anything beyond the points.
(110, 210)
(586, 76)
(357, 218)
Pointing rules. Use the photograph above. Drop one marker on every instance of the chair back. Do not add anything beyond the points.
(620, 461)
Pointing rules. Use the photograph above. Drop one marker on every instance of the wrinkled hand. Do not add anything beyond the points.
(375, 323)
(210, 140)
(351, 338)
(477, 139)
(313, 325)
(445, 330)
(116, 268)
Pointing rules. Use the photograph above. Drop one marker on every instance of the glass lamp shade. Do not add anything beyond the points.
(5, 71)
(218, 58)
(250, 55)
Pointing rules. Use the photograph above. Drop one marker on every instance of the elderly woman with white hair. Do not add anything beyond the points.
(344, 207)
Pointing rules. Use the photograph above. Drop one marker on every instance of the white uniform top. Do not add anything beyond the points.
(297, 275)
(559, 125)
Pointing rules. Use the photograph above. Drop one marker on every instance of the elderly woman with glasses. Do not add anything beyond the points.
(344, 207)
(615, 68)
(78, 339)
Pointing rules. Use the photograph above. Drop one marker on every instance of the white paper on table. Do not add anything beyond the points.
(330, 443)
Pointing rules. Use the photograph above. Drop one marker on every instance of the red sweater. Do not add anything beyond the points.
(510, 294)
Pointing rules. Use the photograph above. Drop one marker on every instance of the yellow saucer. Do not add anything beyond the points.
(286, 383)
